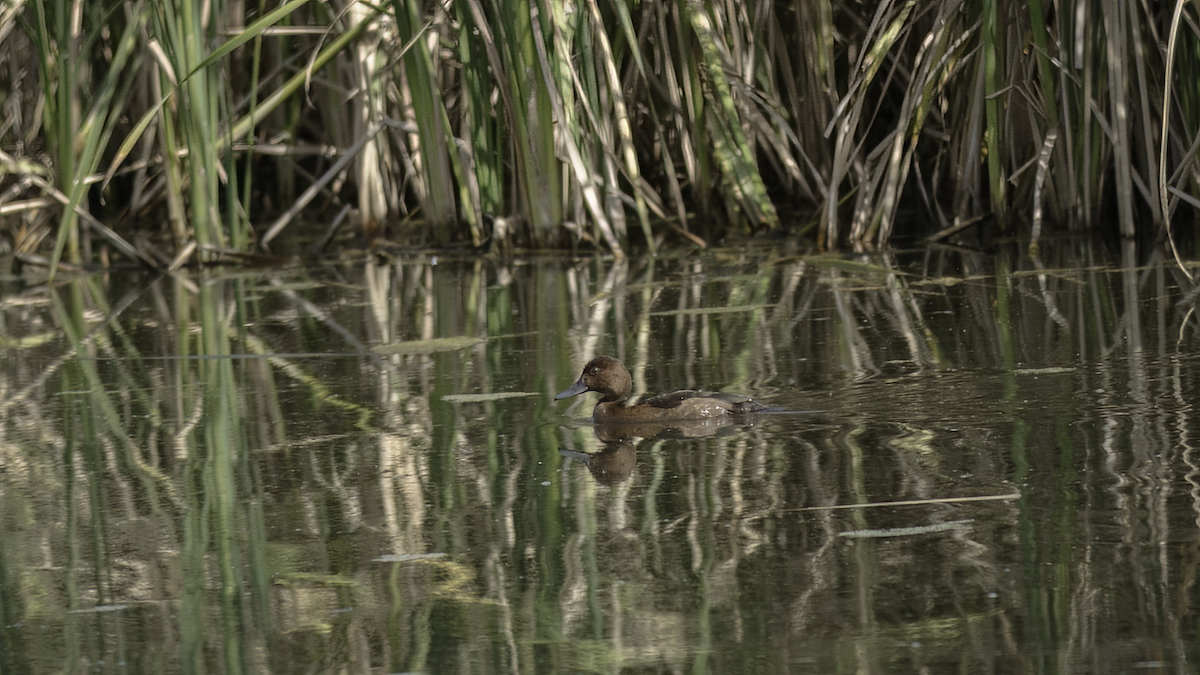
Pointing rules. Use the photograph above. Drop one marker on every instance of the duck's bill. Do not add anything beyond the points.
(574, 390)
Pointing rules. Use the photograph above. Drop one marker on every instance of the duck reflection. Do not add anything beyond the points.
(617, 456)
(611, 465)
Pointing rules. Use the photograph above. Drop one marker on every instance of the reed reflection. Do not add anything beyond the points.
(364, 466)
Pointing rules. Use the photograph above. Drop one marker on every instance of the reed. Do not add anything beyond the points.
(623, 125)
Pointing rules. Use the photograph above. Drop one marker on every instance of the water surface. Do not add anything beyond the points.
(984, 464)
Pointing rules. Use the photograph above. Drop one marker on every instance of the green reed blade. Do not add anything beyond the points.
(80, 148)
(731, 148)
(993, 76)
(435, 140)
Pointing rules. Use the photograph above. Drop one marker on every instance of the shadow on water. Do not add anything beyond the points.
(985, 464)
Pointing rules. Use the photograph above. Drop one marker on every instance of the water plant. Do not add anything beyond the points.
(172, 130)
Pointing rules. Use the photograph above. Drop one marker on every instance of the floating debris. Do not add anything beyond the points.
(906, 531)
(409, 557)
(494, 396)
(447, 344)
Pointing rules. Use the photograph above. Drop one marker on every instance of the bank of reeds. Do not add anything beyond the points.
(169, 131)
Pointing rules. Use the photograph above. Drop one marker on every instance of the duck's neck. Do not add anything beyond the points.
(608, 410)
(613, 397)
(605, 405)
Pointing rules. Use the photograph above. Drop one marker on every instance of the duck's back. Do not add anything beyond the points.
(693, 403)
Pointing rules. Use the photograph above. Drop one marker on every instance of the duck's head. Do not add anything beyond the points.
(605, 376)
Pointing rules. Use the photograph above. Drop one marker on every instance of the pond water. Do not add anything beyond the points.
(982, 463)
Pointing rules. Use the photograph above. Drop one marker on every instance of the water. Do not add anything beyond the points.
(984, 464)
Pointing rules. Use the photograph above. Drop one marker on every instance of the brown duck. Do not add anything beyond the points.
(609, 378)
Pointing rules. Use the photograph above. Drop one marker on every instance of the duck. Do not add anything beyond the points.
(609, 378)
(611, 465)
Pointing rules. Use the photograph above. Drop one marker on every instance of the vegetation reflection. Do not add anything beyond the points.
(981, 463)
